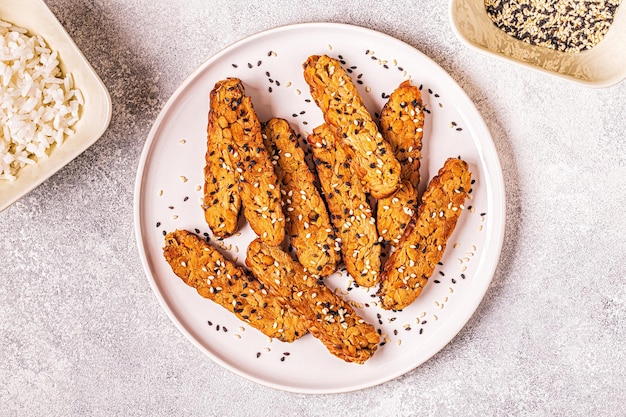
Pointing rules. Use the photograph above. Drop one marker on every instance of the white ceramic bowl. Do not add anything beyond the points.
(35, 16)
(601, 66)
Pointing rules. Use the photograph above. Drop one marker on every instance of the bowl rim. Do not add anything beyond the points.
(97, 98)
(481, 48)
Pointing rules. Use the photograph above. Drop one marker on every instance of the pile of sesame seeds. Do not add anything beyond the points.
(564, 25)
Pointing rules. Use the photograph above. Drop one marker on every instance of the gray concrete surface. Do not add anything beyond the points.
(81, 332)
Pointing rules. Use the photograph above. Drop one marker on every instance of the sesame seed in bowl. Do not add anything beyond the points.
(581, 41)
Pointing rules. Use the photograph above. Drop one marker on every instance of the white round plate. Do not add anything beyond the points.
(169, 191)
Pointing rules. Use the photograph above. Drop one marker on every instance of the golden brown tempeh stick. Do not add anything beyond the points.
(258, 185)
(330, 319)
(308, 225)
(408, 269)
(401, 124)
(203, 267)
(394, 213)
(221, 191)
(343, 109)
(350, 211)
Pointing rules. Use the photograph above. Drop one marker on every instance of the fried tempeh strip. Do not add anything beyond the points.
(258, 185)
(394, 213)
(343, 109)
(330, 319)
(221, 194)
(203, 267)
(408, 269)
(308, 225)
(401, 124)
(350, 211)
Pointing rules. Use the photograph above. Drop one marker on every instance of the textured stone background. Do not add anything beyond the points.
(81, 333)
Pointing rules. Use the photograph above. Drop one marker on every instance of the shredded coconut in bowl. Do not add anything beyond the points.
(38, 103)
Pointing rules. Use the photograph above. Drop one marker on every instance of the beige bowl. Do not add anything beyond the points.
(95, 115)
(601, 66)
